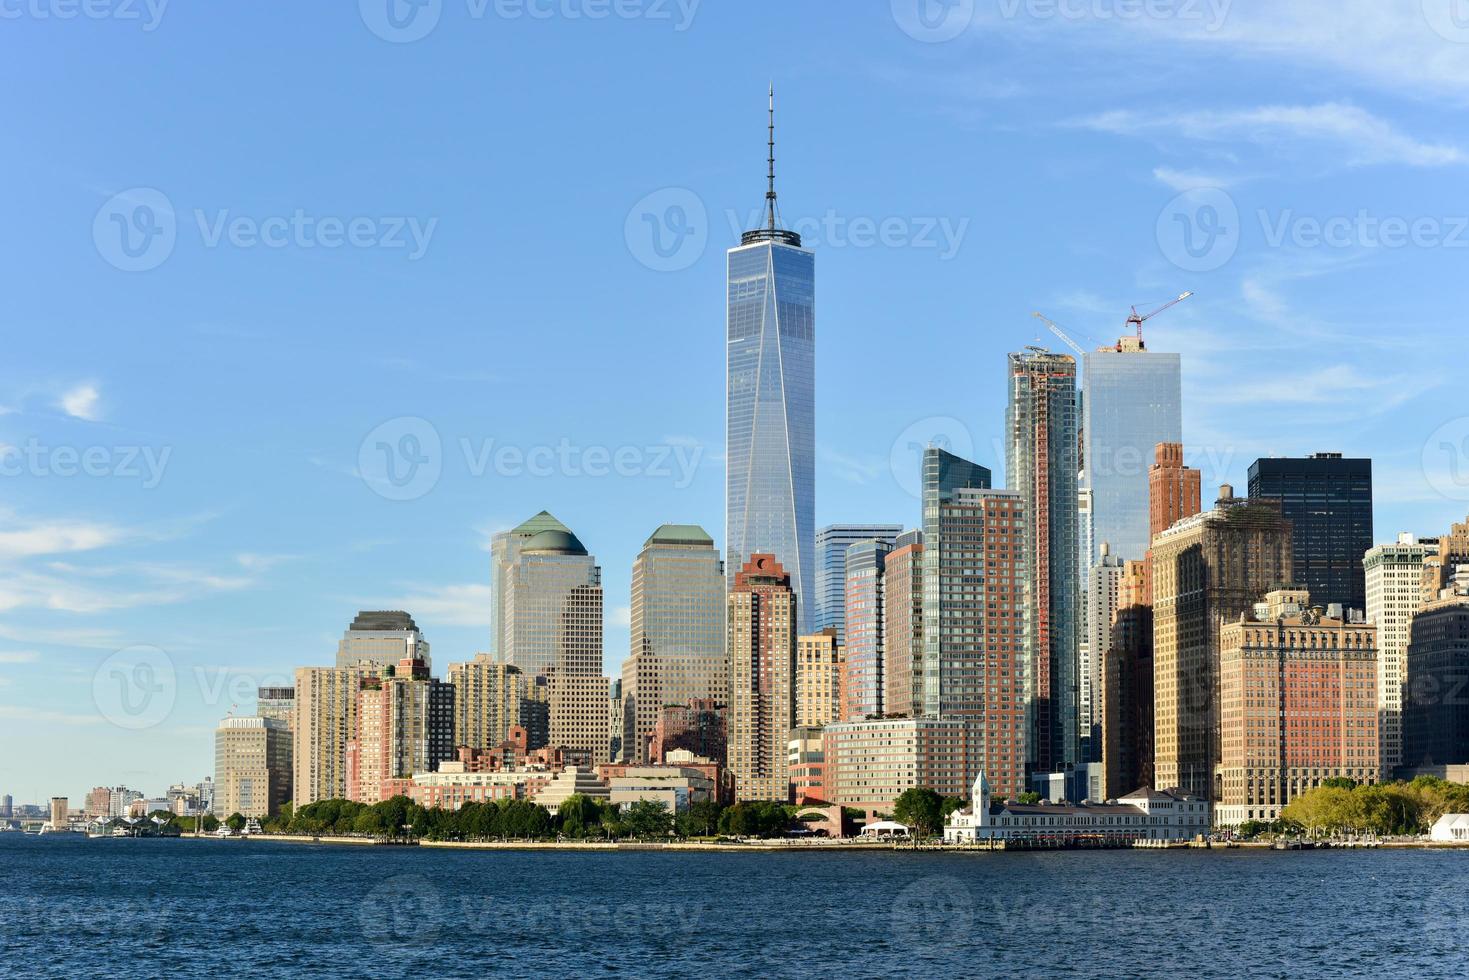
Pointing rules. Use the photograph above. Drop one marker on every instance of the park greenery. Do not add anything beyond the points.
(1343, 807)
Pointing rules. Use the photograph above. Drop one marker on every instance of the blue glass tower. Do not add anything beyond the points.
(770, 426)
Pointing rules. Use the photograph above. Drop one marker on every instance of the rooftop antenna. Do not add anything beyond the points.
(770, 193)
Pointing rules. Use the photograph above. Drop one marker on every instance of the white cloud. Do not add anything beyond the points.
(456, 605)
(56, 537)
(261, 563)
(854, 469)
(1181, 181)
(620, 616)
(18, 656)
(81, 402)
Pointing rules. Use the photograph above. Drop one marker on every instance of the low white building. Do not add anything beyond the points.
(1451, 828)
(1147, 814)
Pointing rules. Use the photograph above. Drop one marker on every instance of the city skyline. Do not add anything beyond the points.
(246, 556)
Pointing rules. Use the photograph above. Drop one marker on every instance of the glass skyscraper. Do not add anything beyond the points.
(832, 543)
(770, 426)
(1131, 401)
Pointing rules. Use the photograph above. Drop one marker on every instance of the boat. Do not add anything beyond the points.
(223, 832)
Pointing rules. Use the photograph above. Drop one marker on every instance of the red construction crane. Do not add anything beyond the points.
(1137, 319)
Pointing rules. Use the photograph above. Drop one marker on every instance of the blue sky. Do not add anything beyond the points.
(341, 238)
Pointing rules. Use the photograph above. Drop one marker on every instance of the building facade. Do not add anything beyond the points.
(902, 634)
(325, 720)
(1144, 815)
(832, 543)
(869, 764)
(1127, 688)
(491, 698)
(276, 702)
(762, 657)
(820, 669)
(383, 639)
(252, 766)
(1393, 575)
(862, 674)
(1101, 597)
(405, 726)
(1436, 696)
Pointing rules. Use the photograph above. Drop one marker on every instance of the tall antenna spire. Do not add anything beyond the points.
(770, 193)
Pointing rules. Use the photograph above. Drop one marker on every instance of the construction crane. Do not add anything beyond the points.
(1056, 329)
(1137, 319)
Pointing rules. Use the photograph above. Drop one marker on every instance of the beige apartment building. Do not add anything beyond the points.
(252, 766)
(818, 679)
(762, 661)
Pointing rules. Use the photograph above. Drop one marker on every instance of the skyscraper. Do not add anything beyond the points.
(491, 697)
(1394, 583)
(252, 766)
(325, 720)
(1328, 501)
(504, 549)
(818, 679)
(770, 424)
(832, 543)
(405, 726)
(902, 627)
(1208, 570)
(1041, 465)
(383, 638)
(1127, 688)
(863, 672)
(677, 641)
(1175, 491)
(1435, 705)
(1102, 594)
(762, 659)
(1131, 401)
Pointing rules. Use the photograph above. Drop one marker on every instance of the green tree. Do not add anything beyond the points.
(920, 808)
(648, 818)
(236, 822)
(1029, 799)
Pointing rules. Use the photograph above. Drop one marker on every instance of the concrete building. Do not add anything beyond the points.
(405, 725)
(1042, 440)
(902, 639)
(869, 764)
(700, 728)
(762, 659)
(976, 659)
(832, 543)
(1175, 491)
(1436, 696)
(1127, 688)
(820, 674)
(1451, 828)
(454, 785)
(1394, 581)
(1297, 706)
(492, 697)
(863, 658)
(678, 632)
(60, 819)
(276, 702)
(382, 638)
(1207, 570)
(571, 781)
(1145, 815)
(504, 552)
(807, 761)
(1328, 501)
(676, 787)
(252, 767)
(325, 720)
(1101, 596)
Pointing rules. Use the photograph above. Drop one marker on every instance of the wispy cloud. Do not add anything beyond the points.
(82, 402)
(18, 656)
(54, 537)
(1180, 180)
(862, 468)
(456, 605)
(620, 617)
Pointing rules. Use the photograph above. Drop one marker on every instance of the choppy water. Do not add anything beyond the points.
(70, 906)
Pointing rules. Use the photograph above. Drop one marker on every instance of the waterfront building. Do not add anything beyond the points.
(677, 635)
(1436, 695)
(453, 785)
(1101, 596)
(571, 781)
(1127, 688)
(862, 670)
(252, 767)
(770, 410)
(325, 720)
(60, 818)
(820, 670)
(1131, 401)
(1207, 570)
(1144, 815)
(382, 638)
(1297, 706)
(276, 702)
(807, 762)
(1042, 439)
(699, 727)
(7, 807)
(762, 655)
(1451, 828)
(676, 787)
(491, 698)
(1393, 575)
(405, 725)
(97, 805)
(504, 551)
(1328, 501)
(870, 763)
(832, 543)
(976, 654)
(902, 627)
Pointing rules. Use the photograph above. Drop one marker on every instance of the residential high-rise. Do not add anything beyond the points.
(1394, 587)
(383, 638)
(405, 726)
(770, 415)
(762, 655)
(820, 663)
(504, 550)
(325, 720)
(974, 658)
(252, 766)
(491, 698)
(1207, 570)
(1041, 465)
(832, 543)
(1328, 501)
(870, 763)
(863, 672)
(1440, 570)
(1175, 491)
(1297, 706)
(276, 702)
(1436, 695)
(902, 632)
(677, 641)
(1127, 688)
(1101, 595)
(1131, 401)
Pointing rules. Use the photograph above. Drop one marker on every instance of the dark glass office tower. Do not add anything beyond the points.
(1328, 501)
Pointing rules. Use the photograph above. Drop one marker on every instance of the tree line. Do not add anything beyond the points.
(1387, 809)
